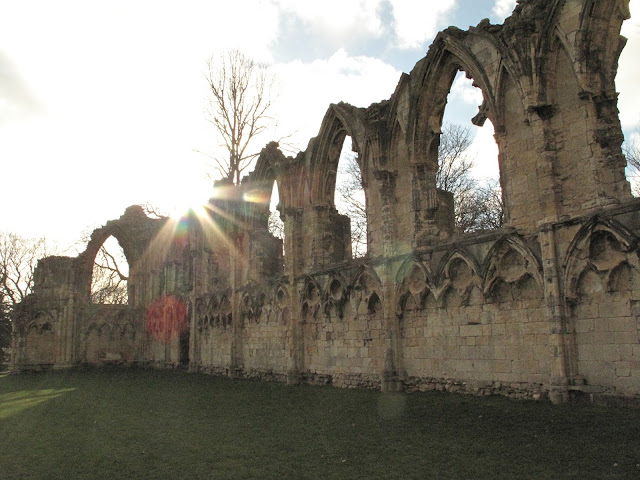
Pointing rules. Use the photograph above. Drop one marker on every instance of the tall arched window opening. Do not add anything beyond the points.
(631, 150)
(109, 281)
(468, 160)
(276, 225)
(350, 198)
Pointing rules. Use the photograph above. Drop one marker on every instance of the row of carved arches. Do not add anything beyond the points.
(509, 272)
(329, 300)
(111, 331)
(213, 312)
(264, 305)
(109, 341)
(605, 250)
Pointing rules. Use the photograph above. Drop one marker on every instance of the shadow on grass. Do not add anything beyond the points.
(167, 424)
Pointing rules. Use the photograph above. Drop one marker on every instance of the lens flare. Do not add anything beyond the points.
(257, 196)
(208, 219)
(166, 318)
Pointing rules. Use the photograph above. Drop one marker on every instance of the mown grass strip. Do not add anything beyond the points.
(148, 424)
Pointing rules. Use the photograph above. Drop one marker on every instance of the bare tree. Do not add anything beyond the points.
(454, 162)
(479, 208)
(631, 150)
(18, 259)
(276, 225)
(238, 109)
(110, 275)
(477, 205)
(351, 202)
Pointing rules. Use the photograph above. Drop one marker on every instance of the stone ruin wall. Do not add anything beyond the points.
(547, 306)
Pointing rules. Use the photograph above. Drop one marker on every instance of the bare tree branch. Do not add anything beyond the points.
(276, 225)
(152, 211)
(237, 109)
(352, 202)
(631, 150)
(18, 259)
(109, 280)
(477, 205)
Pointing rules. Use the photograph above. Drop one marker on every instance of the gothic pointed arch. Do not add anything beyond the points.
(339, 121)
(600, 246)
(433, 79)
(134, 231)
(551, 24)
(367, 279)
(336, 294)
(282, 297)
(257, 186)
(510, 261)
(414, 282)
(459, 271)
(392, 146)
(311, 291)
(366, 289)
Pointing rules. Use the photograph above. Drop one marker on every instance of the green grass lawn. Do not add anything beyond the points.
(147, 424)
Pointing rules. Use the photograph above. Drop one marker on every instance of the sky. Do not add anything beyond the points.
(102, 104)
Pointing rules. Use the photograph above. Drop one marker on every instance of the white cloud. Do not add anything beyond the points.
(484, 150)
(463, 89)
(503, 8)
(339, 21)
(417, 22)
(336, 20)
(311, 87)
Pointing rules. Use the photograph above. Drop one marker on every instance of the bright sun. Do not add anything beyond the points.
(186, 194)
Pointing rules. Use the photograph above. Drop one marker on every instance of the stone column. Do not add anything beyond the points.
(68, 340)
(327, 237)
(389, 376)
(235, 280)
(294, 263)
(432, 208)
(559, 382)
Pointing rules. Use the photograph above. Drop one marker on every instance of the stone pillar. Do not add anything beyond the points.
(235, 280)
(386, 182)
(294, 264)
(390, 380)
(432, 208)
(265, 255)
(194, 336)
(68, 339)
(327, 237)
(559, 382)
(609, 163)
